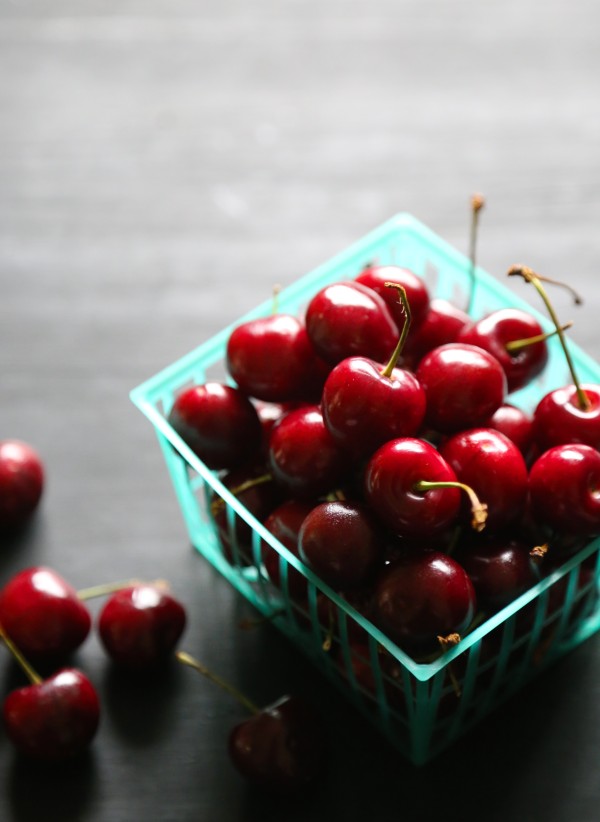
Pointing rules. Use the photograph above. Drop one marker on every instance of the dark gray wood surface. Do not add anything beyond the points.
(162, 164)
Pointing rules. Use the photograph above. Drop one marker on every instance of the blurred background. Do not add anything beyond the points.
(162, 164)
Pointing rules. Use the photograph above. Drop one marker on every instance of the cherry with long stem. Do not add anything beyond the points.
(479, 509)
(477, 203)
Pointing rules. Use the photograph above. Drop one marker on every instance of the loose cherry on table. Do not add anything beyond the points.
(464, 385)
(21, 483)
(219, 423)
(140, 626)
(280, 748)
(365, 404)
(51, 719)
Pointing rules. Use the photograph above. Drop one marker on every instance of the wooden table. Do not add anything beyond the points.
(163, 164)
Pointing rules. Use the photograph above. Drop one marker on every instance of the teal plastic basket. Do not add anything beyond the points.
(420, 707)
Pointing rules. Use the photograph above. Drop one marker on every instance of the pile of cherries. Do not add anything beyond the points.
(375, 438)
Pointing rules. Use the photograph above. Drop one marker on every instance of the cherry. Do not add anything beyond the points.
(365, 404)
(342, 543)
(271, 358)
(413, 489)
(218, 422)
(494, 468)
(43, 614)
(421, 597)
(348, 319)
(21, 483)
(515, 338)
(140, 626)
(51, 719)
(303, 456)
(564, 484)
(377, 276)
(285, 523)
(463, 386)
(515, 424)
(279, 748)
(441, 325)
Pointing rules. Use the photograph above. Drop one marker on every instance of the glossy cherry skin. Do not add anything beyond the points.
(441, 325)
(272, 359)
(140, 626)
(282, 749)
(342, 543)
(285, 523)
(219, 424)
(463, 384)
(422, 597)
(362, 408)
(390, 479)
(303, 456)
(43, 615)
(564, 486)
(500, 570)
(559, 419)
(417, 295)
(503, 326)
(21, 483)
(492, 465)
(348, 319)
(515, 424)
(55, 719)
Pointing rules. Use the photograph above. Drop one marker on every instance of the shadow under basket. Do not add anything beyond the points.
(421, 708)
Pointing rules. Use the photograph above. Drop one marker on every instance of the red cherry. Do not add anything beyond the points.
(342, 543)
(515, 424)
(21, 483)
(140, 626)
(494, 468)
(271, 358)
(42, 614)
(564, 485)
(303, 456)
(285, 523)
(559, 417)
(281, 748)
(441, 325)
(376, 277)
(422, 597)
(463, 386)
(55, 718)
(219, 424)
(347, 319)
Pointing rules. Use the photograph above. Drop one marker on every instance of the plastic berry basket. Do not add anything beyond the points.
(421, 707)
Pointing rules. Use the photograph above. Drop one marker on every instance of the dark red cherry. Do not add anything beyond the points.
(219, 424)
(494, 468)
(500, 329)
(140, 626)
(391, 488)
(376, 277)
(515, 424)
(348, 319)
(271, 358)
(42, 614)
(559, 417)
(342, 543)
(463, 384)
(285, 523)
(422, 597)
(564, 485)
(441, 325)
(282, 748)
(21, 483)
(55, 718)
(303, 456)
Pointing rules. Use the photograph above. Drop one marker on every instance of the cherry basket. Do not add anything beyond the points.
(421, 707)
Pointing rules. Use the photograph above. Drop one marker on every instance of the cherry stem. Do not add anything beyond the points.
(275, 303)
(191, 662)
(403, 299)
(478, 508)
(477, 203)
(219, 503)
(111, 587)
(539, 552)
(328, 641)
(534, 279)
(32, 675)
(446, 643)
(516, 345)
(249, 623)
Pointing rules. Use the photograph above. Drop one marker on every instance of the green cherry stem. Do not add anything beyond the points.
(516, 345)
(191, 662)
(31, 674)
(112, 587)
(387, 371)
(477, 203)
(478, 508)
(534, 279)
(218, 504)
